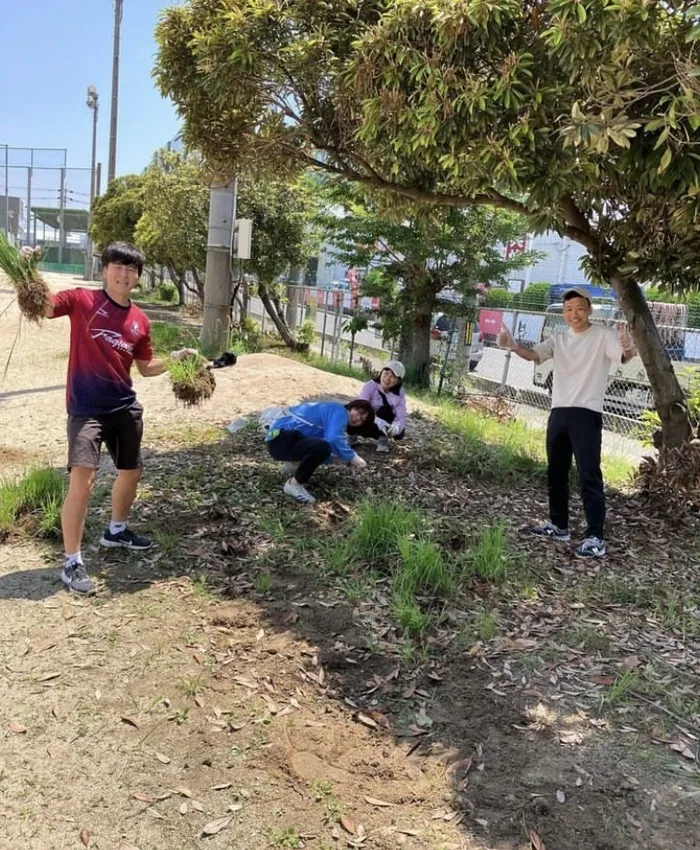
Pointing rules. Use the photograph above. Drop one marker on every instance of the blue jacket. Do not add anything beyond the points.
(324, 420)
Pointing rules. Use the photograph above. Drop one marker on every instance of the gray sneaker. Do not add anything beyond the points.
(383, 444)
(299, 492)
(75, 577)
(551, 532)
(592, 547)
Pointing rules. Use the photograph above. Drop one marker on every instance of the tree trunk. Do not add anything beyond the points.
(278, 322)
(198, 283)
(414, 347)
(668, 395)
(177, 280)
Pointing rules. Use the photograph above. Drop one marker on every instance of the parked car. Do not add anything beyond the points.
(442, 333)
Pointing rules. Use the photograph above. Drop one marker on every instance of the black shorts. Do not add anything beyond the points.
(120, 432)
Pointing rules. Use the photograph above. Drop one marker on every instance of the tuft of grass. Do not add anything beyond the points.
(168, 541)
(335, 367)
(287, 837)
(620, 688)
(185, 371)
(262, 583)
(422, 569)
(378, 529)
(34, 501)
(486, 625)
(490, 557)
(411, 617)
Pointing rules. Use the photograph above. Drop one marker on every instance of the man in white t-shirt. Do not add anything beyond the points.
(582, 357)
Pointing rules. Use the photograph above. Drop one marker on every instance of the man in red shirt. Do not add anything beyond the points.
(108, 334)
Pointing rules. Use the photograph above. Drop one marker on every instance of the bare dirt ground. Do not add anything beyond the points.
(224, 690)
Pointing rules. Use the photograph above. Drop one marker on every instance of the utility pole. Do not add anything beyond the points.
(217, 284)
(93, 104)
(112, 162)
(61, 219)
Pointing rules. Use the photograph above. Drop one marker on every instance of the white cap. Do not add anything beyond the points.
(397, 367)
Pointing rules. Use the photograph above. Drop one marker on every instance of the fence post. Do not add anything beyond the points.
(338, 327)
(325, 321)
(509, 354)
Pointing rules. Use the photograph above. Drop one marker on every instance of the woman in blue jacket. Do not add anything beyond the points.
(310, 434)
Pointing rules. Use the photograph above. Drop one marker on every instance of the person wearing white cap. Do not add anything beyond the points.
(387, 396)
(582, 357)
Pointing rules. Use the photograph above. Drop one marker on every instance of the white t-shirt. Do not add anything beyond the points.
(582, 364)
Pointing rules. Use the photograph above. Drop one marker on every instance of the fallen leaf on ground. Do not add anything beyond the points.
(561, 797)
(536, 842)
(198, 701)
(221, 787)
(163, 759)
(570, 736)
(366, 721)
(47, 677)
(17, 728)
(142, 798)
(215, 826)
(85, 837)
(347, 824)
(183, 809)
(197, 806)
(184, 792)
(129, 721)
(374, 801)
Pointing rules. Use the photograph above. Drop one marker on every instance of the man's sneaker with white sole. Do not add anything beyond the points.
(551, 532)
(124, 539)
(592, 547)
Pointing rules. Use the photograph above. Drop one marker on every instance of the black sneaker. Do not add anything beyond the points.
(551, 532)
(125, 538)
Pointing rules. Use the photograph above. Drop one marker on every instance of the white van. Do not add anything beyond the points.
(628, 392)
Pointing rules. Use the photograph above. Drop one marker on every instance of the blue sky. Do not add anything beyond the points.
(52, 50)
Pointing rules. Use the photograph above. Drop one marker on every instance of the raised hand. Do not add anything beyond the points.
(505, 338)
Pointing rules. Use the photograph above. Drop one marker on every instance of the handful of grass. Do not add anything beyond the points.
(192, 382)
(21, 266)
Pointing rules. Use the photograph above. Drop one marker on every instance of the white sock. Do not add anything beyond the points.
(72, 560)
(116, 527)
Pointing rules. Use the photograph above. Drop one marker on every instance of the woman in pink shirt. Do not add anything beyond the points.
(387, 396)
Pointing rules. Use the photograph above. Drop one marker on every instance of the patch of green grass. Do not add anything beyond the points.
(589, 639)
(335, 367)
(422, 569)
(167, 337)
(34, 501)
(201, 587)
(262, 583)
(168, 541)
(185, 371)
(490, 556)
(379, 526)
(494, 450)
(287, 837)
(617, 471)
(620, 688)
(486, 625)
(411, 617)
(333, 809)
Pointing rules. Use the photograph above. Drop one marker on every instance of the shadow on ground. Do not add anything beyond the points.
(220, 518)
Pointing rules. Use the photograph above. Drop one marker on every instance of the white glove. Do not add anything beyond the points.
(183, 353)
(358, 462)
(382, 425)
(394, 429)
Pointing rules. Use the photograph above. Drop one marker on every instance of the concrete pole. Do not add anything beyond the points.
(112, 162)
(93, 103)
(217, 284)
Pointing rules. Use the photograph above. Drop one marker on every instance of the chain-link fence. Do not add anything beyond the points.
(466, 348)
(45, 203)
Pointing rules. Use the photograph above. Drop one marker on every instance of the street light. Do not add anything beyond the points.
(92, 101)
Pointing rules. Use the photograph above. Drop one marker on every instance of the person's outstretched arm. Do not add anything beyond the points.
(538, 355)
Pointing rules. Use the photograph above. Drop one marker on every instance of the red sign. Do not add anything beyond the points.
(490, 321)
(516, 247)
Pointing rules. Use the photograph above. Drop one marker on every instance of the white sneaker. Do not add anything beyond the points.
(383, 444)
(298, 492)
